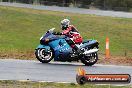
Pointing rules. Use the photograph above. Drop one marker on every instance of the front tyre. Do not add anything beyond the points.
(90, 59)
(44, 55)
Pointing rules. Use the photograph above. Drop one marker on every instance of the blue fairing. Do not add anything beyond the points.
(61, 49)
(58, 44)
(43, 46)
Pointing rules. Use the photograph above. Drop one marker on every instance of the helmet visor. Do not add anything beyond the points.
(63, 24)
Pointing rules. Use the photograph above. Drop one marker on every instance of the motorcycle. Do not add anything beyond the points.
(56, 47)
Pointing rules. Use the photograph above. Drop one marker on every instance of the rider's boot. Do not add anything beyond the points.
(79, 52)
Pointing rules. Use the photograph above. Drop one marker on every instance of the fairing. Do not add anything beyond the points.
(58, 45)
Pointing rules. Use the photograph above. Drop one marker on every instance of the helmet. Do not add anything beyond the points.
(65, 23)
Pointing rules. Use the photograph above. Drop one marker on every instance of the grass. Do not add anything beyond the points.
(30, 84)
(21, 28)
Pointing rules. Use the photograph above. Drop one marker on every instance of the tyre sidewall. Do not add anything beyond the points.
(43, 61)
(89, 63)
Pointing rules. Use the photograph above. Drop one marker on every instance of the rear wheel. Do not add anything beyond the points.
(44, 55)
(90, 59)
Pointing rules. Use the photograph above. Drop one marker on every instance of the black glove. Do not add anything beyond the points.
(57, 33)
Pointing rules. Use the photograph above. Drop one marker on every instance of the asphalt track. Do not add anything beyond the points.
(72, 10)
(11, 69)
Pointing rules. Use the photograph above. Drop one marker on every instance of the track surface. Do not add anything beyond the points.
(72, 10)
(55, 71)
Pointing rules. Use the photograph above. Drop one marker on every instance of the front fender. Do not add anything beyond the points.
(43, 46)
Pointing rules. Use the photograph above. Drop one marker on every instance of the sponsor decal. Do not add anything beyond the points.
(83, 78)
(59, 47)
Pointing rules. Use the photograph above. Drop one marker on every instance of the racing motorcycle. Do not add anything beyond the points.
(56, 47)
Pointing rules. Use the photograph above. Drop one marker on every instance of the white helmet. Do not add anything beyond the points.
(65, 23)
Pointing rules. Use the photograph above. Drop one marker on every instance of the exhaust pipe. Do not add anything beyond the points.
(91, 51)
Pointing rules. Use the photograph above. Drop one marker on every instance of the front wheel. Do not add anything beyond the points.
(90, 59)
(44, 55)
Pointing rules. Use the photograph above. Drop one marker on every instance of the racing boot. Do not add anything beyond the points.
(79, 52)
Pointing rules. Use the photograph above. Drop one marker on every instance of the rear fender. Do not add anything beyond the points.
(90, 43)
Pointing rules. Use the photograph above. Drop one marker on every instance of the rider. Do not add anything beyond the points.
(72, 33)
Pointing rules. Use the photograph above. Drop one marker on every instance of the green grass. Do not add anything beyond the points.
(20, 29)
(30, 84)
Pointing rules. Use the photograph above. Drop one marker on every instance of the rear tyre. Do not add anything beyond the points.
(44, 55)
(90, 59)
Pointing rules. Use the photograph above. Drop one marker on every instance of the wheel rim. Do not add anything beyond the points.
(44, 54)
